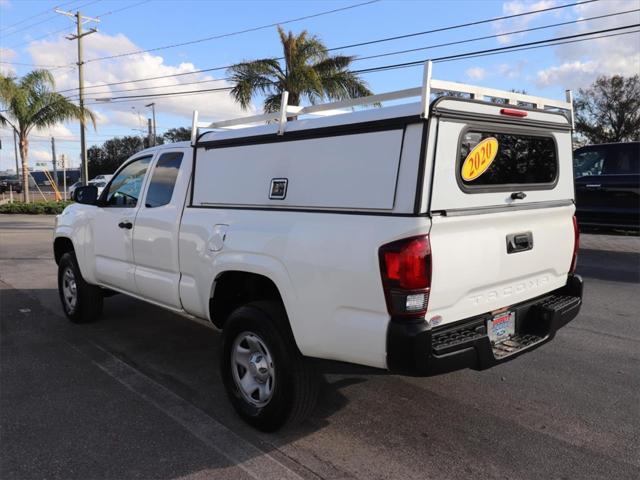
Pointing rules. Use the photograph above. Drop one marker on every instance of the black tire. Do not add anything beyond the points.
(296, 382)
(88, 304)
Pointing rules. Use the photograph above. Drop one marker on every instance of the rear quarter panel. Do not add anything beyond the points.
(325, 266)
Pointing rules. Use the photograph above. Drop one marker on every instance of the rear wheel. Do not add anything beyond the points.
(81, 302)
(267, 380)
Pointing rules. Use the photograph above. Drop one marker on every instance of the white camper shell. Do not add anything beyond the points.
(420, 237)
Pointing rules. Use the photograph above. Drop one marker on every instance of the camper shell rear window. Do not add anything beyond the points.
(494, 159)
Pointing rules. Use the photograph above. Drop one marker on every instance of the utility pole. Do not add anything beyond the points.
(64, 175)
(153, 111)
(150, 132)
(15, 152)
(55, 163)
(80, 20)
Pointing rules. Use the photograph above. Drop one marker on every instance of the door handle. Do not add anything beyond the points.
(519, 242)
(127, 225)
(593, 186)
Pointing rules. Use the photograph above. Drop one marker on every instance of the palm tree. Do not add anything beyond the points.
(309, 73)
(30, 102)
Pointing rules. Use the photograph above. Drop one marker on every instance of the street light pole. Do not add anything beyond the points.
(55, 162)
(153, 111)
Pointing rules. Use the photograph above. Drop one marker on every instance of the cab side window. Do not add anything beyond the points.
(163, 179)
(124, 189)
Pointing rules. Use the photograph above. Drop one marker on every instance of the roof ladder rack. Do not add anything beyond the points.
(429, 87)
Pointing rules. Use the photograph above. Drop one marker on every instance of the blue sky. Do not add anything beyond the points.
(157, 23)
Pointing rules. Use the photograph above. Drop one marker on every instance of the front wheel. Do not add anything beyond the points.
(267, 380)
(81, 301)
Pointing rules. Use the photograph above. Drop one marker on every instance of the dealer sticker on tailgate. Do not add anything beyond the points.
(502, 326)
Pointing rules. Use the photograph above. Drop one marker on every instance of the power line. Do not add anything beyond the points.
(160, 86)
(230, 34)
(66, 29)
(490, 50)
(47, 19)
(30, 17)
(549, 45)
(470, 24)
(343, 47)
(393, 53)
(518, 47)
(487, 37)
(31, 65)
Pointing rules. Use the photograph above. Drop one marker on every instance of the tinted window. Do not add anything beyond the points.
(623, 159)
(588, 162)
(619, 159)
(163, 179)
(519, 159)
(124, 189)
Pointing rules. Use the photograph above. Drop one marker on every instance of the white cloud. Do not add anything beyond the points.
(516, 7)
(211, 105)
(7, 55)
(561, 73)
(36, 155)
(582, 62)
(476, 73)
(513, 70)
(129, 119)
(57, 131)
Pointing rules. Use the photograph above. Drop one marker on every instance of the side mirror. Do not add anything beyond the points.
(87, 195)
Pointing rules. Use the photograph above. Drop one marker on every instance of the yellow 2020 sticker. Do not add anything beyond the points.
(479, 159)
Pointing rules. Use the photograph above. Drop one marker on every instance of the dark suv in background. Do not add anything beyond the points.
(607, 180)
(15, 185)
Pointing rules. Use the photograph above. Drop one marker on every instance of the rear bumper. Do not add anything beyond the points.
(415, 349)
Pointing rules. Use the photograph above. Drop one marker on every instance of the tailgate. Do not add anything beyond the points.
(502, 206)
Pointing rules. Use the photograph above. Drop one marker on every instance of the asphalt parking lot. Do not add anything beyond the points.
(137, 394)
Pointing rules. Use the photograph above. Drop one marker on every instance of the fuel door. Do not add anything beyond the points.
(216, 242)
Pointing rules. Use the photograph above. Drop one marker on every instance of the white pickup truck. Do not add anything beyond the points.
(419, 238)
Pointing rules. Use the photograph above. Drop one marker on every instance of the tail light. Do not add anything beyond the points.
(576, 245)
(405, 266)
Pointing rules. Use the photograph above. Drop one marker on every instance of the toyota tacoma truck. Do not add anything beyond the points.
(421, 237)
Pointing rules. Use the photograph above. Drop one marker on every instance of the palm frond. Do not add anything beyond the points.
(55, 108)
(254, 77)
(343, 85)
(272, 103)
(309, 73)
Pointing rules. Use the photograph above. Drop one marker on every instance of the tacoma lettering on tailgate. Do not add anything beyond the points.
(504, 292)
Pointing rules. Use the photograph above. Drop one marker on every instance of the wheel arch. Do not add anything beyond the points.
(236, 286)
(233, 288)
(62, 245)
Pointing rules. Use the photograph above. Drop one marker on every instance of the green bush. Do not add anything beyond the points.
(34, 208)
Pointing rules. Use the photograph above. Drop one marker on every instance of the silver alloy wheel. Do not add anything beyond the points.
(69, 289)
(253, 369)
